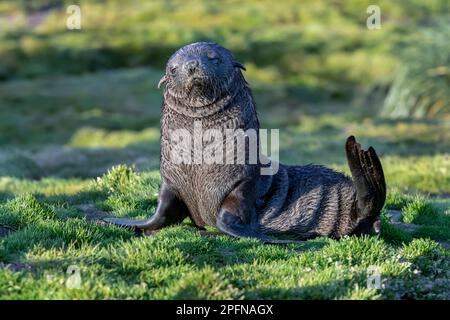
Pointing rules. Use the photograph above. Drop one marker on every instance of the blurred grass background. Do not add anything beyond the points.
(74, 103)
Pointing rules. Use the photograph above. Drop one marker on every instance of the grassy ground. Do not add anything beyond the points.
(318, 74)
(81, 125)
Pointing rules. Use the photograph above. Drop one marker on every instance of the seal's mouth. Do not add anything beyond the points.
(197, 82)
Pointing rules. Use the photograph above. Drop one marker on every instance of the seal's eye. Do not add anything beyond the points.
(173, 69)
(213, 57)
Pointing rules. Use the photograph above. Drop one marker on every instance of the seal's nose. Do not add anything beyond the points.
(191, 66)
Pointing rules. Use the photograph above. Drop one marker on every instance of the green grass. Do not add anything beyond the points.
(419, 211)
(179, 263)
(48, 174)
(79, 123)
(324, 48)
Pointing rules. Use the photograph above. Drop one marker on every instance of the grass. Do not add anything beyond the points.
(420, 88)
(179, 263)
(48, 174)
(79, 123)
(419, 211)
(324, 48)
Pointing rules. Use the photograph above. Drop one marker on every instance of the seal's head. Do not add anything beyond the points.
(201, 73)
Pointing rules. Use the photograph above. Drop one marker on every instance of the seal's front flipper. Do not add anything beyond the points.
(170, 210)
(128, 223)
(236, 212)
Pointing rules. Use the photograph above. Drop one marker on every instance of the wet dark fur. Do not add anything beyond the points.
(304, 201)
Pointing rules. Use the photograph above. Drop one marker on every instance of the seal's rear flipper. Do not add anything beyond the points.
(229, 224)
(235, 214)
(368, 178)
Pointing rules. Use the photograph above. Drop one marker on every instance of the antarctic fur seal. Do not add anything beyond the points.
(204, 83)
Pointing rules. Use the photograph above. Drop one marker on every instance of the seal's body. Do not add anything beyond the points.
(307, 201)
(204, 87)
(203, 186)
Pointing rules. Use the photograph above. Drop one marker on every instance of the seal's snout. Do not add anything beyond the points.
(192, 66)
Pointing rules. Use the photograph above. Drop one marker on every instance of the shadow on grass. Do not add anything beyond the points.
(332, 289)
(83, 197)
(223, 250)
(68, 162)
(5, 196)
(329, 148)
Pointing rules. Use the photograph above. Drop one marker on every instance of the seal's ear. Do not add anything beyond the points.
(239, 65)
(162, 81)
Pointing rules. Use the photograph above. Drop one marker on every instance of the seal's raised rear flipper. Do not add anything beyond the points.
(368, 178)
